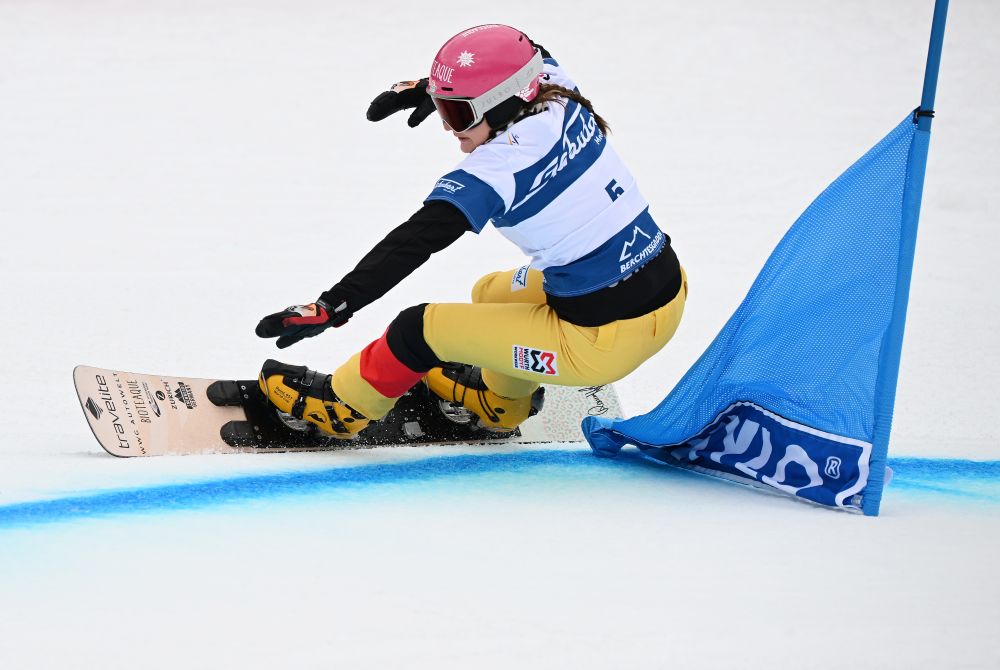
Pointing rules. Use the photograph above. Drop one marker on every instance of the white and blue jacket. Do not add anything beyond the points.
(553, 186)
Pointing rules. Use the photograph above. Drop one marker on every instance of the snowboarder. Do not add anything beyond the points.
(604, 290)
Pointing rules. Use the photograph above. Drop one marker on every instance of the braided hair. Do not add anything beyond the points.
(553, 93)
(512, 110)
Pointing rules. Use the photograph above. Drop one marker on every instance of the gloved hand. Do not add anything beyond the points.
(404, 95)
(301, 321)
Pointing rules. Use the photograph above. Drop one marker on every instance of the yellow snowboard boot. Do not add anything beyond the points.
(308, 396)
(463, 386)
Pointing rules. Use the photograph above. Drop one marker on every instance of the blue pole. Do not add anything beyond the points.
(933, 64)
(892, 342)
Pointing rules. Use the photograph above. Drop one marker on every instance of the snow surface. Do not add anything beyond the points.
(172, 170)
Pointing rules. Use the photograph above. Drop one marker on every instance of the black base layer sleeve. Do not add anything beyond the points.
(432, 228)
(651, 287)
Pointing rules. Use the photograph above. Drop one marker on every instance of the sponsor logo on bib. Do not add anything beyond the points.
(449, 185)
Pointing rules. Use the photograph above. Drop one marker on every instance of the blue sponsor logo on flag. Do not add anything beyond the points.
(747, 443)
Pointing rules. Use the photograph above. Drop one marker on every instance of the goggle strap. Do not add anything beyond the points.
(508, 88)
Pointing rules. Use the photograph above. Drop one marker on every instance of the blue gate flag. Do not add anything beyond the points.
(796, 392)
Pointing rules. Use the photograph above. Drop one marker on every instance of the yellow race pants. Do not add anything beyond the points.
(520, 342)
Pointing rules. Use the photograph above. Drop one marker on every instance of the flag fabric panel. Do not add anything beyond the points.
(795, 393)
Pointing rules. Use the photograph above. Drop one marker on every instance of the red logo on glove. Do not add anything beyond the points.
(311, 314)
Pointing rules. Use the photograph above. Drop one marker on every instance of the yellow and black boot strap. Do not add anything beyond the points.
(314, 395)
(305, 383)
(292, 377)
(310, 384)
(470, 378)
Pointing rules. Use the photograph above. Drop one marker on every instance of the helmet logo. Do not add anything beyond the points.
(527, 93)
(442, 73)
(466, 59)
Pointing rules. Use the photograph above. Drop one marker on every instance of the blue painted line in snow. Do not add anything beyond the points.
(214, 492)
(951, 468)
(970, 480)
(978, 480)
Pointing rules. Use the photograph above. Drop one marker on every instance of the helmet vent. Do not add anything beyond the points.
(447, 88)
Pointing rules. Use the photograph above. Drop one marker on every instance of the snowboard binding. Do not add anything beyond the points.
(419, 417)
(464, 398)
(305, 397)
(263, 427)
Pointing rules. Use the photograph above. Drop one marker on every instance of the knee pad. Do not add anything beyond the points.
(406, 340)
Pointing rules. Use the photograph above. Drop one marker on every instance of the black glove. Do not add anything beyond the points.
(301, 321)
(404, 95)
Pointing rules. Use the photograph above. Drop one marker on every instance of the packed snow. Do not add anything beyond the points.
(170, 171)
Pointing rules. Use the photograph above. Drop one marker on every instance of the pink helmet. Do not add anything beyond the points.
(480, 68)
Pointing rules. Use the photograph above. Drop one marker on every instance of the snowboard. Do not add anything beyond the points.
(134, 414)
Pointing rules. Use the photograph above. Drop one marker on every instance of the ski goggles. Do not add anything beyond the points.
(463, 113)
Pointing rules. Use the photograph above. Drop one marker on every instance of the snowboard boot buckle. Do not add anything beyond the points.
(465, 396)
(306, 398)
